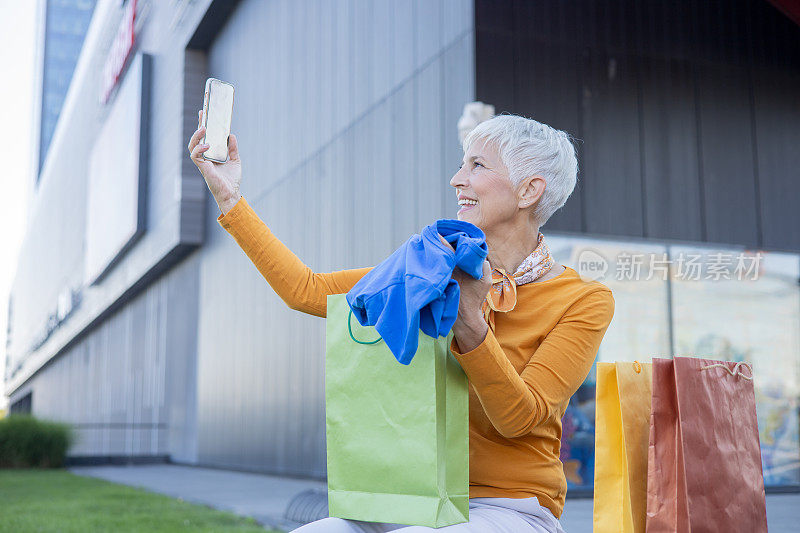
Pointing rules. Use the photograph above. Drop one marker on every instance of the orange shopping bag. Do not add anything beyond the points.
(622, 423)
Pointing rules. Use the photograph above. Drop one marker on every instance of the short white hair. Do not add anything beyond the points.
(530, 148)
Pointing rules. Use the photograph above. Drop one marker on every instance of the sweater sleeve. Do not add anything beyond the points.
(298, 286)
(516, 403)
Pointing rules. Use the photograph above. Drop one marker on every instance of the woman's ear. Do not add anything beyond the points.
(530, 190)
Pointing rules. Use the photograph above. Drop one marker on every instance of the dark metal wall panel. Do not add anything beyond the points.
(726, 155)
(493, 78)
(670, 164)
(668, 102)
(555, 100)
(346, 115)
(777, 115)
(494, 53)
(612, 160)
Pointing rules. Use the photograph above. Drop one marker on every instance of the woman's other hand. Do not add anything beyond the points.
(223, 179)
(470, 327)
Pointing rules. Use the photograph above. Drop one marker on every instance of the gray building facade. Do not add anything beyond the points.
(346, 115)
(340, 108)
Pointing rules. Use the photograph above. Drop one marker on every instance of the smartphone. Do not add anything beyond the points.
(217, 113)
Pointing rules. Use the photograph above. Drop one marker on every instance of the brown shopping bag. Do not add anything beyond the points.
(622, 426)
(704, 459)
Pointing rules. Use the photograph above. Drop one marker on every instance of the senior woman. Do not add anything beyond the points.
(526, 334)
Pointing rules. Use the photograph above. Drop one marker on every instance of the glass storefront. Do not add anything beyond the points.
(721, 303)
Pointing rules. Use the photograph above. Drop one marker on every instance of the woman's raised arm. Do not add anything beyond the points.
(295, 283)
(300, 287)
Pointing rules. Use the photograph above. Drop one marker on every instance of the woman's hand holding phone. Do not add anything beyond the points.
(223, 179)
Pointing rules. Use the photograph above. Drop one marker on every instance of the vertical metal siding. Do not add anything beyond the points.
(670, 151)
(777, 115)
(346, 115)
(726, 156)
(112, 386)
(612, 152)
(686, 111)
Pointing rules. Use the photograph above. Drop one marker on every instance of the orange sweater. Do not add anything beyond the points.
(521, 376)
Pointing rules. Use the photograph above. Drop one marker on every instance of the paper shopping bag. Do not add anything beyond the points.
(622, 425)
(704, 457)
(397, 435)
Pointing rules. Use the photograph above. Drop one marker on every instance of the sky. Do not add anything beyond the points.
(17, 55)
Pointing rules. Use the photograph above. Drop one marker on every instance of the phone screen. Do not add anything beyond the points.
(218, 110)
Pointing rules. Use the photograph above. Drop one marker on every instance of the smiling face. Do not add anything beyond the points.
(486, 196)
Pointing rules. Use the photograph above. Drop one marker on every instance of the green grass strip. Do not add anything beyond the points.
(57, 500)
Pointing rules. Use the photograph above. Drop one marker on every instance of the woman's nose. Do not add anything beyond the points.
(458, 179)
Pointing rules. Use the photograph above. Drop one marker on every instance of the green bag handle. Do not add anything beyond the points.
(350, 330)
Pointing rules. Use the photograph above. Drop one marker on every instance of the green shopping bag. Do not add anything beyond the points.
(397, 435)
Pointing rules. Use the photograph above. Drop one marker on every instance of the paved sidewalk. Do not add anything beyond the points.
(260, 496)
(266, 498)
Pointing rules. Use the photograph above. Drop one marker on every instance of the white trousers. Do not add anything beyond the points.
(486, 515)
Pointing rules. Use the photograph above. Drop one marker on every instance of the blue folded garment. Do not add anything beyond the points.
(413, 288)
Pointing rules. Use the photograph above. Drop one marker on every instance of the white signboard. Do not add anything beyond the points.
(117, 177)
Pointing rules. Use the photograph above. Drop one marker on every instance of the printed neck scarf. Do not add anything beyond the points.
(502, 297)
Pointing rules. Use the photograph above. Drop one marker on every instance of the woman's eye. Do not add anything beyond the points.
(478, 164)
